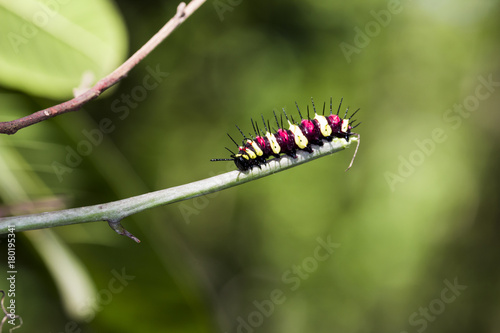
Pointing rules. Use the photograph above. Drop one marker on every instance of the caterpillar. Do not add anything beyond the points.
(255, 151)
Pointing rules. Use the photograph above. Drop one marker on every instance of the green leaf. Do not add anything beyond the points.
(47, 46)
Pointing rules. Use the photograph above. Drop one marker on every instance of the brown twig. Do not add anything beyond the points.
(183, 12)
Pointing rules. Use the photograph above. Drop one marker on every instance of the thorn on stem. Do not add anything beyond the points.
(117, 226)
(180, 9)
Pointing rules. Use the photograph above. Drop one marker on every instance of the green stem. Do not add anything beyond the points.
(114, 212)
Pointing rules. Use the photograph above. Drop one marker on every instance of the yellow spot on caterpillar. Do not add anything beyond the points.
(256, 147)
(345, 125)
(240, 155)
(324, 127)
(300, 138)
(273, 142)
(251, 154)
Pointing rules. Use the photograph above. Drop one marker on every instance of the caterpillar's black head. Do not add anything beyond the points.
(242, 163)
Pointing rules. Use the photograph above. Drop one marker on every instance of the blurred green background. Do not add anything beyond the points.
(412, 228)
